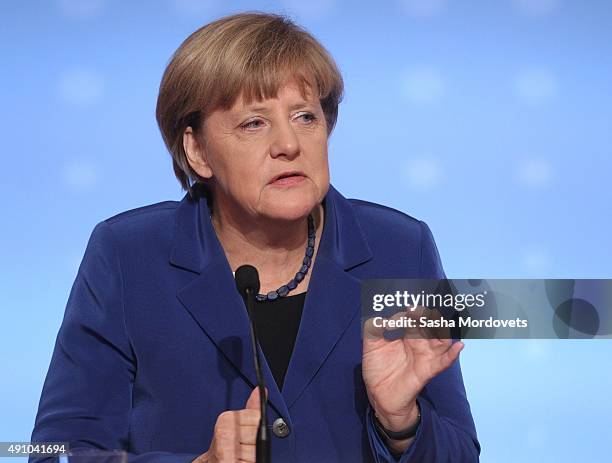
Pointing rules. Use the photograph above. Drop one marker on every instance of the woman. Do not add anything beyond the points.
(153, 355)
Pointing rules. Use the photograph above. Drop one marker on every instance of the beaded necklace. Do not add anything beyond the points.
(301, 273)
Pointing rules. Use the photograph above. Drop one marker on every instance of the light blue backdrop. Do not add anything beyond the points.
(490, 120)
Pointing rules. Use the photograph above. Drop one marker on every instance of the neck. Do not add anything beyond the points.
(275, 248)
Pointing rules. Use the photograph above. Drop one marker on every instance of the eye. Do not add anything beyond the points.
(254, 124)
(309, 117)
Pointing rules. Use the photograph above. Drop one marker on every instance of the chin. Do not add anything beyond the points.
(291, 208)
(292, 203)
(291, 214)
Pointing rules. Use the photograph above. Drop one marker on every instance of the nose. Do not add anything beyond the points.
(285, 141)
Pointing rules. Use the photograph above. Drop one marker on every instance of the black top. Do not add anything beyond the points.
(277, 324)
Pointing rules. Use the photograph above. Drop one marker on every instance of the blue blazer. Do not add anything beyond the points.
(154, 343)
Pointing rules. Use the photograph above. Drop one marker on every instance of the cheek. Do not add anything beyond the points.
(319, 170)
(244, 176)
(321, 161)
(237, 166)
(247, 177)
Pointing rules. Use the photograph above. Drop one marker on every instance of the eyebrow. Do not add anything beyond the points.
(266, 109)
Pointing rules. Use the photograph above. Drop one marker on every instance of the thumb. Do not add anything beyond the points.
(254, 403)
(451, 354)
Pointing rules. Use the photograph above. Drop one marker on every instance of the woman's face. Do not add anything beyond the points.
(247, 148)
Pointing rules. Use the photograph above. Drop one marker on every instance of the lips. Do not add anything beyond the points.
(288, 174)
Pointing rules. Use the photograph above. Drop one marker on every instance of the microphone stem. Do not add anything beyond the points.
(263, 441)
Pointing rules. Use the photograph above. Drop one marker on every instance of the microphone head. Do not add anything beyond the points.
(247, 277)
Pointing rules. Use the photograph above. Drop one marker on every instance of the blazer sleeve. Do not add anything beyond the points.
(87, 394)
(447, 432)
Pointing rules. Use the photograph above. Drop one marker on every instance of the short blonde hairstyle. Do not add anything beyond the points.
(250, 53)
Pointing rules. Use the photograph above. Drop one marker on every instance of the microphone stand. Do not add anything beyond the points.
(263, 440)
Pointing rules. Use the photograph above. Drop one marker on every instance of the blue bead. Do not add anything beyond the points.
(283, 290)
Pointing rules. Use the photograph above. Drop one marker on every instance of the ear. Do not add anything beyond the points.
(196, 155)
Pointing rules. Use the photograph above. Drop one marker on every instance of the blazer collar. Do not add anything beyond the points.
(196, 245)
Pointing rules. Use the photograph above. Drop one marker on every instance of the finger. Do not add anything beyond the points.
(429, 324)
(246, 453)
(253, 402)
(247, 434)
(376, 329)
(451, 354)
(371, 331)
(223, 446)
(439, 345)
(247, 417)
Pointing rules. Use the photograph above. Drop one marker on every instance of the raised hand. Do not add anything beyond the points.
(395, 371)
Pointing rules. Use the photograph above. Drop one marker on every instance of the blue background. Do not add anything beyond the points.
(490, 120)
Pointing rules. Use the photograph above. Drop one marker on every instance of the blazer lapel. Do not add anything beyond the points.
(333, 298)
(211, 297)
(333, 295)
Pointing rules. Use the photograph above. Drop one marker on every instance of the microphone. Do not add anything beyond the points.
(247, 283)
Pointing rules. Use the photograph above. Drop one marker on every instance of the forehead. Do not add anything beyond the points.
(290, 92)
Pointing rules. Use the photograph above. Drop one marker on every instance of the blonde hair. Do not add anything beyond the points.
(250, 53)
